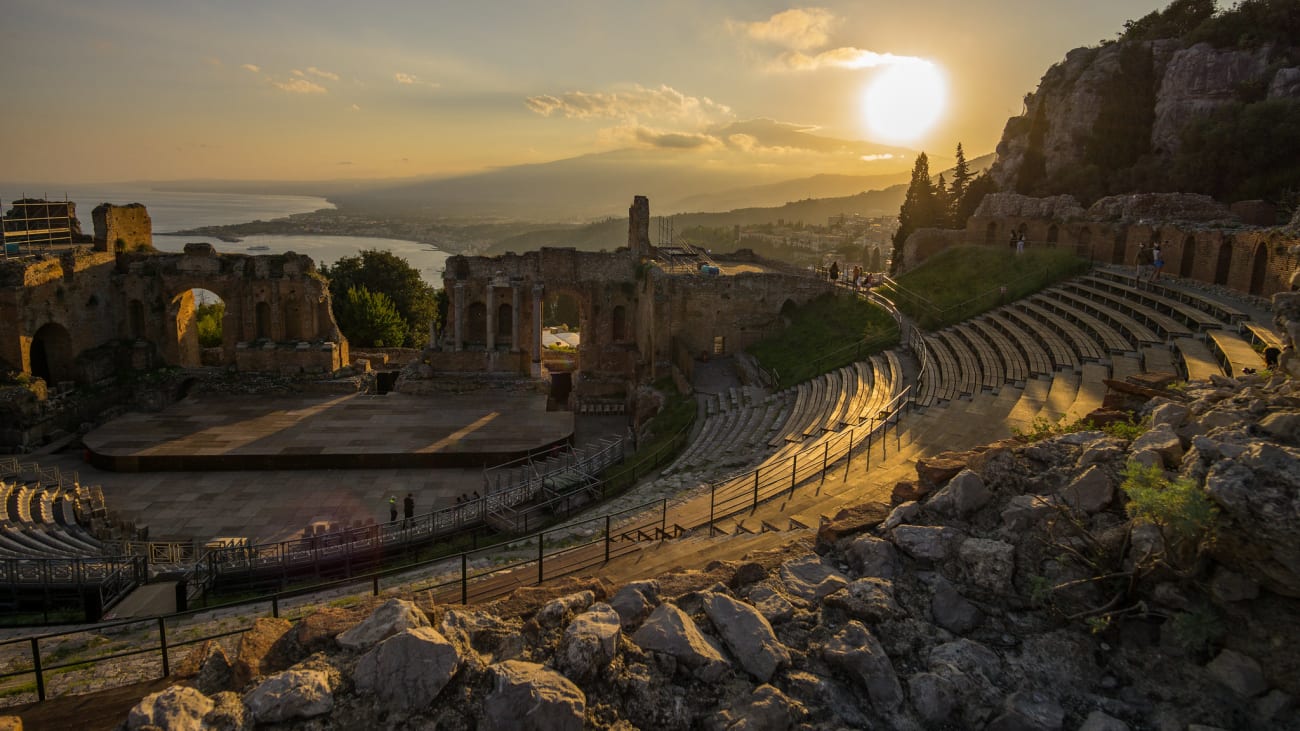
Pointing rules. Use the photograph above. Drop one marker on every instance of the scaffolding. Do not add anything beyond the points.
(35, 225)
(678, 256)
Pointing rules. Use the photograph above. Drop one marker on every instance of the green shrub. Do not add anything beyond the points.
(1128, 429)
(1180, 508)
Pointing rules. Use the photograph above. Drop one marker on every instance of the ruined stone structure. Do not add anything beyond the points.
(83, 314)
(1199, 238)
(635, 318)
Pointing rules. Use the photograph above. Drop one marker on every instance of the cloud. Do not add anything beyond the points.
(296, 72)
(844, 58)
(298, 86)
(879, 156)
(212, 61)
(354, 108)
(330, 75)
(406, 78)
(794, 28)
(674, 140)
(251, 67)
(636, 102)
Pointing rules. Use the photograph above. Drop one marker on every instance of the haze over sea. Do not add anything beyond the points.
(177, 210)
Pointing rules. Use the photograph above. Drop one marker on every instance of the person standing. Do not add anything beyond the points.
(392, 508)
(408, 508)
(1020, 243)
(1157, 262)
(835, 271)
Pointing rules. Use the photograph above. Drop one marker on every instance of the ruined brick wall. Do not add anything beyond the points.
(122, 228)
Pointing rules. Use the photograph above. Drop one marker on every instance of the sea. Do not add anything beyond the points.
(177, 210)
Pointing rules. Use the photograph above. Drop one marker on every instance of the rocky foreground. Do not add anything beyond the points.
(1009, 589)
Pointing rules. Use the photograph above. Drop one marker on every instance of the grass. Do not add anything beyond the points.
(963, 281)
(676, 416)
(823, 335)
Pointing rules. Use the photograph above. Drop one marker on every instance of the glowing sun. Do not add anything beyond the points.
(905, 100)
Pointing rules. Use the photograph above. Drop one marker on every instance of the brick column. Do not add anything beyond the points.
(514, 318)
(537, 322)
(458, 305)
(491, 317)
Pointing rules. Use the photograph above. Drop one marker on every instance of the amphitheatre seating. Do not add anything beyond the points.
(1001, 362)
(1063, 390)
(1061, 353)
(1082, 313)
(1091, 391)
(1164, 326)
(1261, 335)
(1221, 310)
(946, 373)
(1198, 361)
(1194, 317)
(1077, 341)
(1123, 366)
(1135, 333)
(971, 373)
(1233, 352)
(1037, 360)
(1158, 359)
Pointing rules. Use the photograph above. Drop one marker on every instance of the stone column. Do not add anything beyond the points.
(514, 318)
(491, 317)
(459, 306)
(537, 322)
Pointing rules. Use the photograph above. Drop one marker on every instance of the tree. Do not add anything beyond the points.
(919, 206)
(369, 319)
(978, 187)
(961, 177)
(942, 203)
(209, 319)
(387, 273)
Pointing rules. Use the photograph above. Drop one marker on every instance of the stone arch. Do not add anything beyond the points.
(1053, 234)
(991, 233)
(476, 323)
(50, 356)
(135, 320)
(1188, 262)
(1258, 268)
(292, 317)
(505, 322)
(618, 324)
(262, 320)
(1223, 264)
(181, 347)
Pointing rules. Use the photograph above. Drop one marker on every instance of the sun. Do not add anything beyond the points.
(905, 100)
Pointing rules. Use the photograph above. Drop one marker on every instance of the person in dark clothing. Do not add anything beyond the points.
(408, 508)
(392, 509)
(1271, 355)
(835, 271)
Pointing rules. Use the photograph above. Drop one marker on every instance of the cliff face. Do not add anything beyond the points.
(1107, 109)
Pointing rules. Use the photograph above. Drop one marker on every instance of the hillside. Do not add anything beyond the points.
(1187, 99)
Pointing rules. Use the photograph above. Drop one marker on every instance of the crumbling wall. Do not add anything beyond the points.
(122, 228)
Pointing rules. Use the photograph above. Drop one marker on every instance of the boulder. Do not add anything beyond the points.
(555, 612)
(671, 631)
(933, 696)
(1259, 495)
(989, 564)
(317, 631)
(926, 542)
(764, 709)
(809, 578)
(771, 604)
(393, 616)
(1029, 711)
(868, 599)
(590, 642)
(178, 708)
(1090, 492)
(747, 634)
(856, 651)
(871, 556)
(1283, 426)
(903, 513)
(529, 697)
(938, 470)
(1163, 441)
(964, 494)
(1273, 705)
(950, 610)
(261, 650)
(1230, 586)
(969, 657)
(1170, 414)
(1101, 721)
(634, 601)
(1239, 672)
(228, 713)
(407, 671)
(1024, 511)
(848, 522)
(296, 693)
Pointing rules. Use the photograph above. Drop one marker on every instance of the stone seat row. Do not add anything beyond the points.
(735, 423)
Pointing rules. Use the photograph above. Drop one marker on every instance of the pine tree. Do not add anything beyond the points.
(918, 209)
(942, 204)
(961, 177)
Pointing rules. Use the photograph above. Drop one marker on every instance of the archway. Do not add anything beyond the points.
(1258, 268)
(563, 311)
(210, 325)
(476, 323)
(183, 348)
(1053, 233)
(505, 323)
(991, 234)
(1223, 266)
(50, 357)
(618, 324)
(1188, 262)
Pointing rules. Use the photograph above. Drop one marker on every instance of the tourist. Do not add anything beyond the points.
(835, 271)
(1157, 262)
(408, 507)
(1143, 260)
(1020, 243)
(1271, 354)
(1011, 242)
(392, 508)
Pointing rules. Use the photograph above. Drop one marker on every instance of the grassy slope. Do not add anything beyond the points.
(822, 335)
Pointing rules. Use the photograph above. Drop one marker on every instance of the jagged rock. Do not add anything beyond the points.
(938, 470)
(766, 709)
(855, 650)
(908, 491)
(868, 599)
(1147, 541)
(671, 631)
(393, 616)
(178, 708)
(1147, 458)
(216, 673)
(296, 693)
(228, 713)
(810, 579)
(317, 631)
(771, 604)
(556, 611)
(529, 697)
(1257, 535)
(964, 494)
(1160, 207)
(1162, 440)
(471, 631)
(261, 650)
(1169, 413)
(1090, 492)
(933, 696)
(1102, 451)
(1239, 672)
(871, 556)
(950, 610)
(848, 522)
(1045, 659)
(1029, 711)
(969, 657)
(1273, 704)
(1283, 426)
(901, 514)
(1230, 586)
(926, 542)
(747, 573)
(1015, 205)
(1101, 721)
(590, 642)
(1197, 81)
(843, 703)
(634, 601)
(989, 564)
(1023, 511)
(747, 634)
(408, 670)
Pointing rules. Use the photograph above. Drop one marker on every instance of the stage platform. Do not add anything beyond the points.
(355, 431)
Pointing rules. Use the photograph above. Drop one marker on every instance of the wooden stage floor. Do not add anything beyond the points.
(329, 432)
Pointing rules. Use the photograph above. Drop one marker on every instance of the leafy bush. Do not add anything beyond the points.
(1128, 429)
(369, 319)
(209, 318)
(386, 273)
(1180, 508)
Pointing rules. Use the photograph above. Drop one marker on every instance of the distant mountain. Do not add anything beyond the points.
(775, 194)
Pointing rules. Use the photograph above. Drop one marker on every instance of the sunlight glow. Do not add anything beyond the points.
(903, 101)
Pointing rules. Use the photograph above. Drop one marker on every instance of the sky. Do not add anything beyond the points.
(321, 89)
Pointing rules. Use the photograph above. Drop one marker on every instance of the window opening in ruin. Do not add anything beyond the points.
(476, 323)
(1258, 269)
(1189, 257)
(263, 324)
(562, 311)
(719, 345)
(51, 354)
(135, 320)
(292, 319)
(618, 325)
(505, 323)
(1053, 233)
(1224, 263)
(195, 317)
